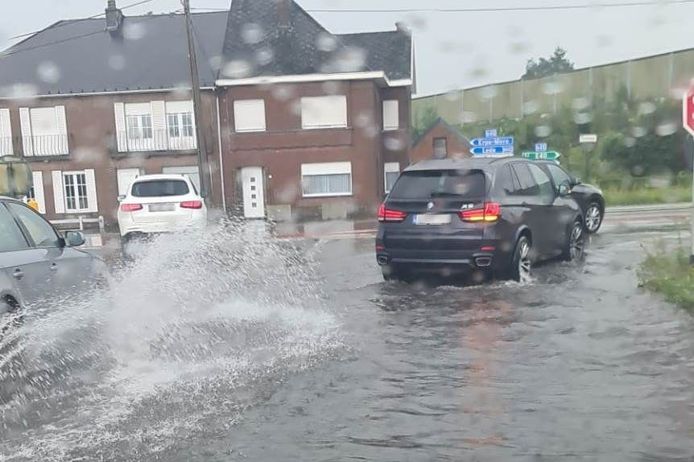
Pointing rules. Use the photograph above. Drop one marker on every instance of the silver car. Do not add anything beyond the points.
(37, 263)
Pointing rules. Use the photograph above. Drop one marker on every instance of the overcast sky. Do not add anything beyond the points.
(453, 49)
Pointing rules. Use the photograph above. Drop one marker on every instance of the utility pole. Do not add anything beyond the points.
(197, 109)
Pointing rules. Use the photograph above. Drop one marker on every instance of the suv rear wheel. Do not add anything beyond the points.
(594, 215)
(575, 246)
(522, 264)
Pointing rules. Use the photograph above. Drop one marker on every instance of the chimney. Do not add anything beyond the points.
(283, 15)
(114, 17)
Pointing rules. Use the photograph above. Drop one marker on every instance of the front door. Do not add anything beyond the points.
(253, 192)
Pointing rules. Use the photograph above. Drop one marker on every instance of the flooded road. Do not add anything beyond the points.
(334, 364)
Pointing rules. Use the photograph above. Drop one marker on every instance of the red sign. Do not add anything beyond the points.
(688, 110)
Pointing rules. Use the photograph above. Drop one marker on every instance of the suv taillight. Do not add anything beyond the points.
(191, 204)
(489, 213)
(130, 207)
(386, 214)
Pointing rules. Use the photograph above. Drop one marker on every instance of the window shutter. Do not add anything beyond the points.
(38, 191)
(249, 115)
(58, 193)
(92, 203)
(61, 123)
(324, 112)
(391, 115)
(121, 135)
(25, 122)
(159, 132)
(5, 133)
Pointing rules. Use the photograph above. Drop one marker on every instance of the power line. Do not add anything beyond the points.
(10, 52)
(502, 9)
(132, 5)
(582, 6)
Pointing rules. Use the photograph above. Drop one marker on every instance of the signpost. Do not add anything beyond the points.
(588, 138)
(541, 155)
(688, 122)
(492, 145)
(540, 147)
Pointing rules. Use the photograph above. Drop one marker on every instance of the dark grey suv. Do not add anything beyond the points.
(36, 263)
(495, 215)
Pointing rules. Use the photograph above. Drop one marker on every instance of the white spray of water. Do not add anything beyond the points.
(170, 346)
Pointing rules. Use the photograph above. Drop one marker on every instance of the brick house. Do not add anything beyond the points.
(93, 103)
(441, 140)
(316, 120)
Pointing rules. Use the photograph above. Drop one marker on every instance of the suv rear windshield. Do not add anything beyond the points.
(439, 183)
(159, 188)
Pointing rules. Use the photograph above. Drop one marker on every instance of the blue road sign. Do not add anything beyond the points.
(491, 133)
(540, 147)
(494, 141)
(482, 151)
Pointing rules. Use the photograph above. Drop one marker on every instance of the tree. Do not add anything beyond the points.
(556, 64)
(424, 119)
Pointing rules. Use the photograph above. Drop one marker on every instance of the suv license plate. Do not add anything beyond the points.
(162, 207)
(432, 219)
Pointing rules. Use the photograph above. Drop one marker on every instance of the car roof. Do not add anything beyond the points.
(475, 163)
(8, 198)
(161, 176)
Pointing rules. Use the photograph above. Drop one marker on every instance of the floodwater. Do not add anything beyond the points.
(239, 348)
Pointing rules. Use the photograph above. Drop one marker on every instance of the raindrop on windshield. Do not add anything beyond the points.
(629, 141)
(134, 31)
(531, 107)
(639, 132)
(580, 104)
(264, 56)
(646, 108)
(237, 69)
(48, 72)
(543, 131)
(582, 118)
(394, 144)
(252, 33)
(666, 128)
(326, 42)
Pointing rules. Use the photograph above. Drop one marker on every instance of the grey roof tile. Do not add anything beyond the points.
(80, 56)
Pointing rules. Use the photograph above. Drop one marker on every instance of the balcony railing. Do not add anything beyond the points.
(154, 140)
(45, 145)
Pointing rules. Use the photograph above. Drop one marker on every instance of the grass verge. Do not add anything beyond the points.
(670, 274)
(647, 196)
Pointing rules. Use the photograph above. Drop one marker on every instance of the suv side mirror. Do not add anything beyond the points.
(576, 181)
(564, 189)
(121, 197)
(74, 238)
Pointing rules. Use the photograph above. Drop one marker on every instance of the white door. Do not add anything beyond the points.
(253, 192)
(126, 176)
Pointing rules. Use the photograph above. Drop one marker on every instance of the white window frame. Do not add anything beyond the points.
(178, 110)
(389, 167)
(314, 117)
(391, 115)
(77, 208)
(6, 142)
(249, 116)
(327, 168)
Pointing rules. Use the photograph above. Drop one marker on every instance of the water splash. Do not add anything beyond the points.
(196, 330)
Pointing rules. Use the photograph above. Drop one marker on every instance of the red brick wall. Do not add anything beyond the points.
(91, 140)
(424, 149)
(284, 146)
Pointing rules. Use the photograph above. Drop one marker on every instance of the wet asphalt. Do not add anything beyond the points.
(580, 364)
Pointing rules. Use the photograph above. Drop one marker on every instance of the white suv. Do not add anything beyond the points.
(160, 204)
